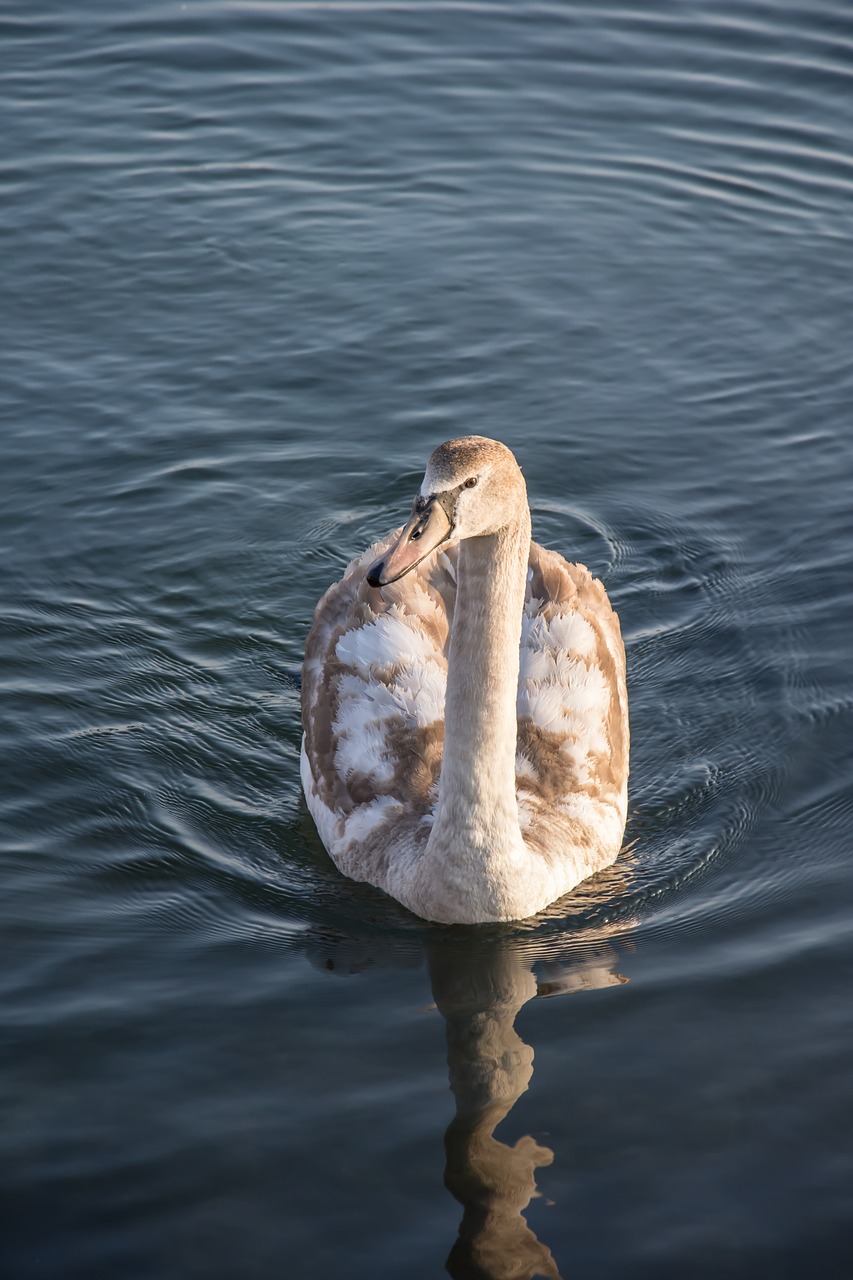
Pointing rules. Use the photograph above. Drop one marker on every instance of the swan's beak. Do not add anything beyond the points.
(427, 529)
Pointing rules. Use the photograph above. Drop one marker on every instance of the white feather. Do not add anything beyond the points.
(367, 818)
(383, 643)
(365, 753)
(371, 687)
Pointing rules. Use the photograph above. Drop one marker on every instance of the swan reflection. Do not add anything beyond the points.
(479, 986)
(490, 1067)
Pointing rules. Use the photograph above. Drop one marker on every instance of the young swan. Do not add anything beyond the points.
(464, 705)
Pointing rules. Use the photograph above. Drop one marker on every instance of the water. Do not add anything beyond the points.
(258, 259)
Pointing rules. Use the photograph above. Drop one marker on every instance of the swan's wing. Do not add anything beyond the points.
(572, 761)
(373, 690)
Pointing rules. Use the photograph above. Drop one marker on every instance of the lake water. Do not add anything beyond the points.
(259, 259)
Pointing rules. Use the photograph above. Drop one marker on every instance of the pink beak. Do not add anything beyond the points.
(427, 529)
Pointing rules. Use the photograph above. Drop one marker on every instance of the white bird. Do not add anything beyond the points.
(464, 706)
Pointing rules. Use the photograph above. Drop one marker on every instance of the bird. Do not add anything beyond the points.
(464, 705)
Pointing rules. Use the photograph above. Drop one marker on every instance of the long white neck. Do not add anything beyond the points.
(476, 826)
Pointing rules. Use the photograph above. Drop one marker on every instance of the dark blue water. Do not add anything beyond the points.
(258, 260)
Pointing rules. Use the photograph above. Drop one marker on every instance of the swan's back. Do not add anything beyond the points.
(373, 697)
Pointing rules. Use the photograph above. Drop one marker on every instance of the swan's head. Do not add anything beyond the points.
(472, 486)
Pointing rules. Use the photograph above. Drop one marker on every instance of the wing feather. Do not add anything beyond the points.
(572, 758)
(374, 683)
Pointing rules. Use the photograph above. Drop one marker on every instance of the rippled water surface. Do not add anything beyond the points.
(258, 260)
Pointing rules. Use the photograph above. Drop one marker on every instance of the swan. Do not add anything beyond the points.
(465, 714)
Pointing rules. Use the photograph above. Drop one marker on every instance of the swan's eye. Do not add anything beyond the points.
(472, 482)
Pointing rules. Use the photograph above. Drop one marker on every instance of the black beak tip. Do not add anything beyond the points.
(374, 574)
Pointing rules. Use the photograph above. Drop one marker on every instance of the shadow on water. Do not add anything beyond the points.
(479, 985)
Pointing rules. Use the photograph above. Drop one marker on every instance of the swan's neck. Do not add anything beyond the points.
(476, 824)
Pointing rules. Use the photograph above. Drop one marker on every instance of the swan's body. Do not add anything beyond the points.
(464, 706)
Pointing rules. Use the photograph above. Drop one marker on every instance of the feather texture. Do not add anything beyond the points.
(375, 701)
